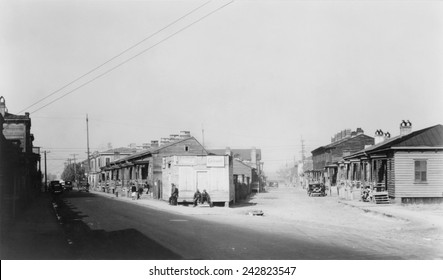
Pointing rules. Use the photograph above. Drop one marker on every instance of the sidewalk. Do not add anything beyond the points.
(425, 215)
(148, 201)
(35, 234)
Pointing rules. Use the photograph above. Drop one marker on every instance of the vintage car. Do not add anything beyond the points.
(55, 187)
(83, 186)
(316, 189)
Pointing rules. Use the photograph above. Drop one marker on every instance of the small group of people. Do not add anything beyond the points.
(202, 198)
(366, 195)
(136, 193)
(199, 197)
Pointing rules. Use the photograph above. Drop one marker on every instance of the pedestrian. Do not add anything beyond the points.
(133, 191)
(197, 197)
(140, 191)
(173, 199)
(148, 187)
(206, 198)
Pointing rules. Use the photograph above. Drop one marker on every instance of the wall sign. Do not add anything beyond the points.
(215, 161)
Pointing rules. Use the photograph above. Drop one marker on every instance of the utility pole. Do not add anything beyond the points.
(46, 172)
(87, 140)
(75, 168)
(203, 136)
(302, 150)
(46, 175)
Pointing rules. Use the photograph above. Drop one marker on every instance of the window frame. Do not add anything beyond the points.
(421, 170)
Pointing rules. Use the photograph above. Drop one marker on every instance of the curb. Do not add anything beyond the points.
(367, 210)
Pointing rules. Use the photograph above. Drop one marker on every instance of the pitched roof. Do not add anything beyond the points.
(9, 116)
(152, 150)
(121, 150)
(336, 143)
(424, 138)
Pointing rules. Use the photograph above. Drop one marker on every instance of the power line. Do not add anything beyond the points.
(116, 56)
(131, 58)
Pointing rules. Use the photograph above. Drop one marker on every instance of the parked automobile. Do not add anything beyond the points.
(68, 186)
(316, 189)
(83, 186)
(55, 187)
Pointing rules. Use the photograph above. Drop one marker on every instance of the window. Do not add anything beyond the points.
(108, 160)
(186, 148)
(420, 168)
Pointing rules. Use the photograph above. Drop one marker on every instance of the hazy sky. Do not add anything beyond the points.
(254, 73)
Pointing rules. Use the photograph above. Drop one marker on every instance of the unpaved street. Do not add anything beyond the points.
(294, 226)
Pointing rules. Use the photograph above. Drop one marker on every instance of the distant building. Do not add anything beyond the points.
(252, 158)
(101, 159)
(325, 158)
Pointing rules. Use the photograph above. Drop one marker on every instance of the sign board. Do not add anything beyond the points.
(186, 160)
(215, 161)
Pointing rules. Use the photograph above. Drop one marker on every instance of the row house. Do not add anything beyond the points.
(145, 167)
(406, 168)
(101, 159)
(325, 158)
(20, 172)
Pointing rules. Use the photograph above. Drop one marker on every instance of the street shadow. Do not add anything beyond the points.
(247, 202)
(89, 244)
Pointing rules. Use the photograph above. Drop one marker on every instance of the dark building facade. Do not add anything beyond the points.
(20, 175)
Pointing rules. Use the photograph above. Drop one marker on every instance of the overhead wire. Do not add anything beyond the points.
(116, 56)
(132, 57)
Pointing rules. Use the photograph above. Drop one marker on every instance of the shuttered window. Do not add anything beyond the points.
(420, 171)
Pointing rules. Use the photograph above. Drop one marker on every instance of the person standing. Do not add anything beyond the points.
(173, 200)
(133, 191)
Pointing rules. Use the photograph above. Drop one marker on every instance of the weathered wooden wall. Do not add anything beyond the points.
(405, 185)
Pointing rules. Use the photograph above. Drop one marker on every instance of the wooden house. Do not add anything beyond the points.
(408, 167)
(203, 172)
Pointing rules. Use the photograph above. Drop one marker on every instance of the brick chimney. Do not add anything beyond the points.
(379, 137)
(185, 134)
(174, 137)
(405, 127)
(154, 143)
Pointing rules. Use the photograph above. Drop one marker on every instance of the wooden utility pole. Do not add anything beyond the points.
(75, 168)
(46, 174)
(87, 140)
(203, 136)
